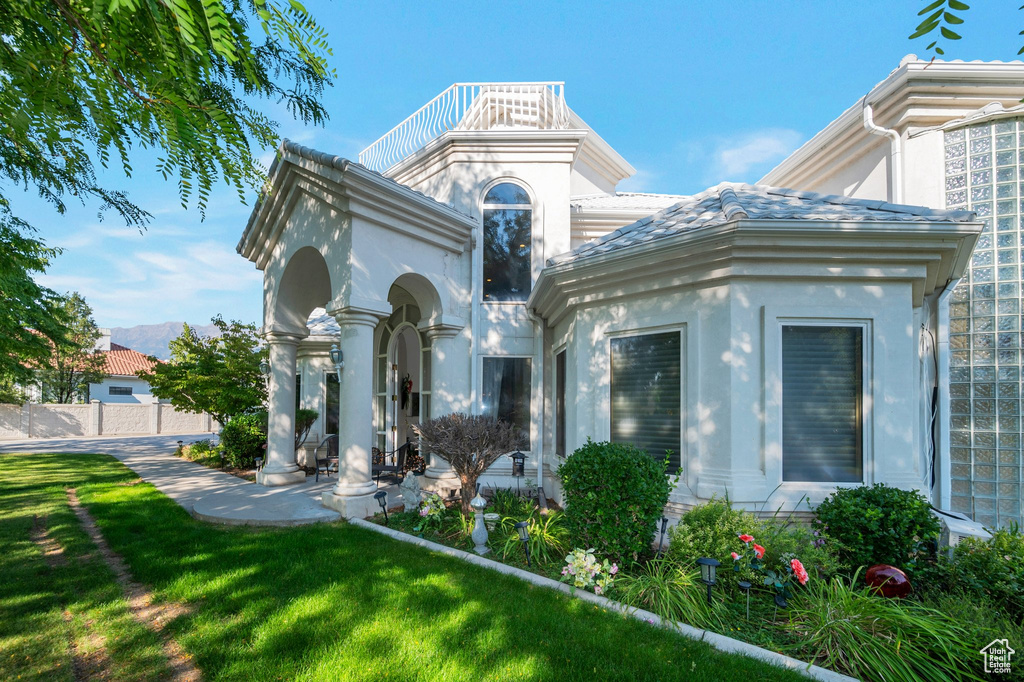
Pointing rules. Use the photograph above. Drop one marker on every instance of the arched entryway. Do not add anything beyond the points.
(402, 377)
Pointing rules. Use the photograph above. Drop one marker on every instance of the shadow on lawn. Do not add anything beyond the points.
(335, 601)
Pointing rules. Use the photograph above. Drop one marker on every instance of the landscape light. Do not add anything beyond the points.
(708, 568)
(382, 500)
(524, 537)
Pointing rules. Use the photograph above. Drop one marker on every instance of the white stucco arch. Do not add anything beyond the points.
(304, 285)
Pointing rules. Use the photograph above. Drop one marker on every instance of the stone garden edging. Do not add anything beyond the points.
(720, 642)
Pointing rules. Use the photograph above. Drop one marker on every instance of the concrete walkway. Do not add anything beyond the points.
(205, 493)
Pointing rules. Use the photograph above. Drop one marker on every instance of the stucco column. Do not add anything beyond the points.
(280, 467)
(353, 495)
(446, 375)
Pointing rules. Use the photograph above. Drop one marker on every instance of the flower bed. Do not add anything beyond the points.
(780, 585)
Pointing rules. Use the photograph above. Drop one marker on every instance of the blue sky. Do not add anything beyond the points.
(690, 93)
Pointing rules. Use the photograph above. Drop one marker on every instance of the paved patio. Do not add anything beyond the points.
(205, 493)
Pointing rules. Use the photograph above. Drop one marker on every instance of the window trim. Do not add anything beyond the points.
(774, 320)
(535, 223)
(561, 395)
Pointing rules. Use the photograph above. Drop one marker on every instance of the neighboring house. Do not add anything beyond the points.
(121, 365)
(950, 135)
(774, 342)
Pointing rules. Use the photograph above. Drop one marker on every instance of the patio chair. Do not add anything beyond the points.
(326, 456)
(390, 463)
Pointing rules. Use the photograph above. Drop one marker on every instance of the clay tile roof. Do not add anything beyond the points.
(123, 361)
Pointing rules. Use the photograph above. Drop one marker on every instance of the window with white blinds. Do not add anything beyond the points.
(646, 393)
(822, 398)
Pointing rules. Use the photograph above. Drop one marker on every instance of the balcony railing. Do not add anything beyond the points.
(471, 106)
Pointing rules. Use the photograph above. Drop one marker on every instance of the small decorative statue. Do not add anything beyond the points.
(410, 491)
(480, 526)
(889, 581)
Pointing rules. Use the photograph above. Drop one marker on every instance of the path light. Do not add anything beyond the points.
(524, 537)
(180, 444)
(518, 467)
(480, 527)
(708, 568)
(382, 500)
(745, 586)
(664, 527)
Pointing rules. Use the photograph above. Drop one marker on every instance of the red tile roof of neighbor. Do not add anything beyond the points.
(124, 361)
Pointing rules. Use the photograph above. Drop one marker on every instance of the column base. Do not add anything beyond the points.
(351, 506)
(272, 478)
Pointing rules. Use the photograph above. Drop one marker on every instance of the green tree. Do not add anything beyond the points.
(83, 82)
(947, 16)
(219, 375)
(32, 318)
(73, 363)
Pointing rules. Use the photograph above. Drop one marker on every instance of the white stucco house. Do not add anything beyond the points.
(950, 135)
(773, 341)
(120, 363)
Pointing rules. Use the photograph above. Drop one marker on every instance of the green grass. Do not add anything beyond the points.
(324, 602)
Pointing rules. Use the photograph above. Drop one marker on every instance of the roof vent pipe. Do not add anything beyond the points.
(896, 155)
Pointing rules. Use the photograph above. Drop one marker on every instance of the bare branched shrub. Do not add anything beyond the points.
(471, 444)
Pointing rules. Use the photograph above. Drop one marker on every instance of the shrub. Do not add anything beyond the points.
(614, 494)
(712, 530)
(876, 524)
(671, 592)
(784, 540)
(470, 443)
(507, 503)
(988, 569)
(244, 438)
(852, 631)
(549, 538)
(583, 569)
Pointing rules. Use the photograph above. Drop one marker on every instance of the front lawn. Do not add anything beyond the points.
(320, 602)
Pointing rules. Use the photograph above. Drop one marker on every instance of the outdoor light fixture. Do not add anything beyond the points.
(524, 537)
(518, 466)
(338, 358)
(180, 444)
(664, 527)
(745, 586)
(708, 568)
(264, 368)
(382, 500)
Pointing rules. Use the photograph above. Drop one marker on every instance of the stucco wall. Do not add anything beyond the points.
(97, 419)
(57, 421)
(10, 421)
(141, 392)
(118, 419)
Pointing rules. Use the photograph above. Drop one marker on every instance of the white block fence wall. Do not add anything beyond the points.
(33, 420)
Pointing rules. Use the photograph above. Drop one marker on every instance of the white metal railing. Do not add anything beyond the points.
(471, 106)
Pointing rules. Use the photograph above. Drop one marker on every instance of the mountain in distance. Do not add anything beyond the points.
(152, 339)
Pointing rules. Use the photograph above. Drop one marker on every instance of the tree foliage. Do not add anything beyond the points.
(219, 375)
(471, 444)
(73, 362)
(32, 317)
(83, 80)
(947, 16)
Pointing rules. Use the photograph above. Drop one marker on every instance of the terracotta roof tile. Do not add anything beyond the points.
(123, 361)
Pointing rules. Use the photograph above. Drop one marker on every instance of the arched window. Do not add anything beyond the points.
(508, 232)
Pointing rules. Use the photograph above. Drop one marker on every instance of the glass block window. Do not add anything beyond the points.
(984, 165)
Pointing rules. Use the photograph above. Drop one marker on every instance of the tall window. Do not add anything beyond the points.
(331, 418)
(506, 390)
(646, 393)
(508, 231)
(560, 404)
(822, 390)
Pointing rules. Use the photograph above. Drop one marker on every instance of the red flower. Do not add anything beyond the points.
(735, 556)
(746, 538)
(758, 551)
(799, 571)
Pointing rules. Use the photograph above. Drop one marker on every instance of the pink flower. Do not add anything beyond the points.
(614, 569)
(424, 511)
(799, 571)
(735, 556)
(746, 538)
(758, 551)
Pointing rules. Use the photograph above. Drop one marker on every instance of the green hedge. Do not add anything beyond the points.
(243, 439)
(615, 494)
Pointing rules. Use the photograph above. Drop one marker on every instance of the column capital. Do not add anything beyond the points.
(441, 331)
(352, 316)
(275, 336)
